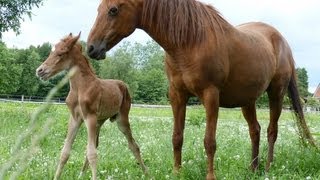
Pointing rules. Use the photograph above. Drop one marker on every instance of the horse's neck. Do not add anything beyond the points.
(84, 75)
(221, 28)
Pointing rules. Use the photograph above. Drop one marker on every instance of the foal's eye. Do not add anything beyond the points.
(113, 11)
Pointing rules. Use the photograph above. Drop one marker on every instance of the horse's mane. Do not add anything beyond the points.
(79, 45)
(184, 21)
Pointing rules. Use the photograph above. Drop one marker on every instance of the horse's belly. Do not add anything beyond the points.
(242, 95)
(231, 101)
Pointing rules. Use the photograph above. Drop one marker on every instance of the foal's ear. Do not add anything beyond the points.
(73, 41)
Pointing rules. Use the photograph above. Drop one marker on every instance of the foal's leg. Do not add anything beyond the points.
(249, 113)
(275, 95)
(178, 101)
(124, 127)
(73, 127)
(210, 100)
(86, 162)
(91, 123)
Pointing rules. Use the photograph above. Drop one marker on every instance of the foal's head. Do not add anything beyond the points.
(61, 58)
(116, 19)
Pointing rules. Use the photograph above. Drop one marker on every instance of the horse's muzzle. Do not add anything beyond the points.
(97, 52)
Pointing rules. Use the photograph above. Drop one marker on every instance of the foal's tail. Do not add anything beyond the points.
(297, 107)
(126, 101)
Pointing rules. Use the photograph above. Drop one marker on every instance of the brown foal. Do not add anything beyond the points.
(91, 100)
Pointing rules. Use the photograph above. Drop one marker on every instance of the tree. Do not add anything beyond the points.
(44, 50)
(120, 65)
(12, 12)
(10, 71)
(29, 60)
(152, 82)
(302, 77)
(153, 87)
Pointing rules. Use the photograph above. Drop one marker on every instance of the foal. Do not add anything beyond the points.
(91, 100)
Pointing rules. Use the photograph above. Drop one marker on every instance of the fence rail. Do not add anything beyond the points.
(23, 98)
(61, 100)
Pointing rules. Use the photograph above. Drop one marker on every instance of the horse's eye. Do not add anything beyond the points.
(113, 11)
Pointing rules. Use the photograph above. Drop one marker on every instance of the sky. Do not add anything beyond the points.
(298, 21)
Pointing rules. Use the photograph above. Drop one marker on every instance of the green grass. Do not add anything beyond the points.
(152, 129)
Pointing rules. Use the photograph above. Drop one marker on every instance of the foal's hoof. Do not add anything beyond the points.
(210, 176)
(254, 168)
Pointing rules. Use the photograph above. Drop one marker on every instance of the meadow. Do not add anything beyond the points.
(152, 129)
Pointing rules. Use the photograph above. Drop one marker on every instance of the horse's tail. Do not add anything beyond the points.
(297, 108)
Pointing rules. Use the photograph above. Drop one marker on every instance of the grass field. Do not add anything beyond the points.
(152, 129)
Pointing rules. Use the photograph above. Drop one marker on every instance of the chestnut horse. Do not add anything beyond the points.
(91, 100)
(223, 65)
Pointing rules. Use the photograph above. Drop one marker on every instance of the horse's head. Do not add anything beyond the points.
(116, 20)
(59, 59)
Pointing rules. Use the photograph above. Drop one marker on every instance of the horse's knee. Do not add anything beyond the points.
(92, 156)
(272, 134)
(133, 146)
(64, 156)
(177, 141)
(210, 144)
(255, 132)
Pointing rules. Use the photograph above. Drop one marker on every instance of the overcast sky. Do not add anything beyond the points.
(298, 21)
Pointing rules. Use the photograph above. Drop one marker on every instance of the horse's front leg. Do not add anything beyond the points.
(210, 98)
(86, 162)
(91, 123)
(178, 102)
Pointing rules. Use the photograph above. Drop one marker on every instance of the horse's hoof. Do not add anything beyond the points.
(176, 170)
(210, 176)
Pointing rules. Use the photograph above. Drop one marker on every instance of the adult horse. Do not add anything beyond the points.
(223, 65)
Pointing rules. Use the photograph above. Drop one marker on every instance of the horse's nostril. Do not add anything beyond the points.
(90, 49)
(40, 70)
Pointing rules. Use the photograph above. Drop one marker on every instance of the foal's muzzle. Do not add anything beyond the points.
(42, 73)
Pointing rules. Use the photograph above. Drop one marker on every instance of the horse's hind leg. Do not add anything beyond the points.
(91, 123)
(275, 94)
(249, 113)
(73, 127)
(124, 127)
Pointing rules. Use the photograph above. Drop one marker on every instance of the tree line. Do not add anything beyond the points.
(141, 66)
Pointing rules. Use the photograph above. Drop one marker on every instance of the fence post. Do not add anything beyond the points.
(22, 98)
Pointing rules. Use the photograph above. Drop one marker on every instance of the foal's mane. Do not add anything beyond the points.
(66, 40)
(184, 21)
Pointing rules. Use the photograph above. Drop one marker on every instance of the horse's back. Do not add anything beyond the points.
(281, 49)
(258, 54)
(271, 35)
